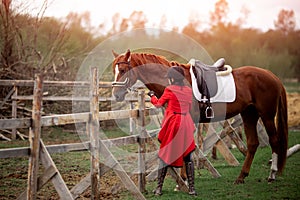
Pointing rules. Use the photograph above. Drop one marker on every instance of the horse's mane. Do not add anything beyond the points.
(152, 58)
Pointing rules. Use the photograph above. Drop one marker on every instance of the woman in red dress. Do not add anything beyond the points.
(177, 133)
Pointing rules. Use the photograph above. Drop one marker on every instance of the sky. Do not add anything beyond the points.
(262, 13)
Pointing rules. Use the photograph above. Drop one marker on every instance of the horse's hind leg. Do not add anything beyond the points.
(250, 118)
(271, 130)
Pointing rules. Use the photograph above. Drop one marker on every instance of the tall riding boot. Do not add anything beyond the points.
(191, 177)
(162, 171)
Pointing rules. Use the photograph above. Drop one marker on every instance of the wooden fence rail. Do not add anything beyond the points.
(64, 119)
(76, 84)
(63, 148)
(15, 97)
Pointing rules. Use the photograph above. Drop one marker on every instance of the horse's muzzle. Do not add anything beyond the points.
(119, 94)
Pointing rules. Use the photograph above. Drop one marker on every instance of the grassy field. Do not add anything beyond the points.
(256, 186)
(292, 87)
(75, 165)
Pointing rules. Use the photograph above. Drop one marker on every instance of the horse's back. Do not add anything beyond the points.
(255, 77)
(258, 87)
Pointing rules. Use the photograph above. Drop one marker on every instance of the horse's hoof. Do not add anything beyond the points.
(271, 180)
(157, 192)
(193, 193)
(239, 181)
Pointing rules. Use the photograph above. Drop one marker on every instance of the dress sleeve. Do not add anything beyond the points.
(162, 100)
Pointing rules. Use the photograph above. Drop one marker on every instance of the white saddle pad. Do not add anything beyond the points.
(226, 89)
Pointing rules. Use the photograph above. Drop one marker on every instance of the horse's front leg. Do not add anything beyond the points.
(246, 166)
(250, 121)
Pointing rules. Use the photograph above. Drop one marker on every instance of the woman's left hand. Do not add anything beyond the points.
(150, 94)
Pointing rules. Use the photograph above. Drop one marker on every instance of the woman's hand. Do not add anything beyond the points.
(150, 94)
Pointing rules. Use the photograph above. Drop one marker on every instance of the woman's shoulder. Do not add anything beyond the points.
(179, 86)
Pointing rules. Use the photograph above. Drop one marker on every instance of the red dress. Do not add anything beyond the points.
(177, 133)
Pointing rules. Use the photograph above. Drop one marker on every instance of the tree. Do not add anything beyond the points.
(220, 13)
(31, 43)
(163, 22)
(138, 19)
(286, 21)
(243, 17)
(192, 26)
(8, 34)
(115, 20)
(22, 47)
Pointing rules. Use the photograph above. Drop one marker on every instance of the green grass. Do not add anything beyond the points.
(255, 187)
(75, 165)
(292, 87)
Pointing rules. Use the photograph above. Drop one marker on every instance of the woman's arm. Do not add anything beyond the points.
(162, 100)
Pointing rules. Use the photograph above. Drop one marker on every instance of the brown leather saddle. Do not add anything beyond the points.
(206, 76)
(207, 81)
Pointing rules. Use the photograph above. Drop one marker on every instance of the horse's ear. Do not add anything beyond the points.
(127, 55)
(114, 53)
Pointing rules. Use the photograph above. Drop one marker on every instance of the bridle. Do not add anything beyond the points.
(126, 81)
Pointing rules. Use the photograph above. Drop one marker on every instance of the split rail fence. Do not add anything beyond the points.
(38, 152)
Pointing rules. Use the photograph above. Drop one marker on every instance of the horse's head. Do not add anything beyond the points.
(124, 75)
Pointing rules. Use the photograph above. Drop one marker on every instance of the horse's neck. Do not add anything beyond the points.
(152, 69)
(143, 59)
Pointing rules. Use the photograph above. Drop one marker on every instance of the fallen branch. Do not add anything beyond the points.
(293, 150)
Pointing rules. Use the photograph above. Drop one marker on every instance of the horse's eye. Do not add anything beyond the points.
(122, 71)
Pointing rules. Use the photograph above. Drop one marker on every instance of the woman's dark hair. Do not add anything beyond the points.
(177, 74)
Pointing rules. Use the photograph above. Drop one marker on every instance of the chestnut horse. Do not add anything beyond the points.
(259, 94)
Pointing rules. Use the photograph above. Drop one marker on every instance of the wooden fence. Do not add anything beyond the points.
(38, 152)
(14, 95)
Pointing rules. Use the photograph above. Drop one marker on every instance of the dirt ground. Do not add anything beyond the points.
(293, 109)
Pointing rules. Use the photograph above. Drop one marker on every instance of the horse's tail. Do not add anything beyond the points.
(282, 130)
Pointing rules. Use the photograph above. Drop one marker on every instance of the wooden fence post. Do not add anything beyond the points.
(131, 120)
(141, 141)
(34, 139)
(14, 113)
(94, 135)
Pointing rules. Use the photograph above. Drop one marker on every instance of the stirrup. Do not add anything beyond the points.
(209, 112)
